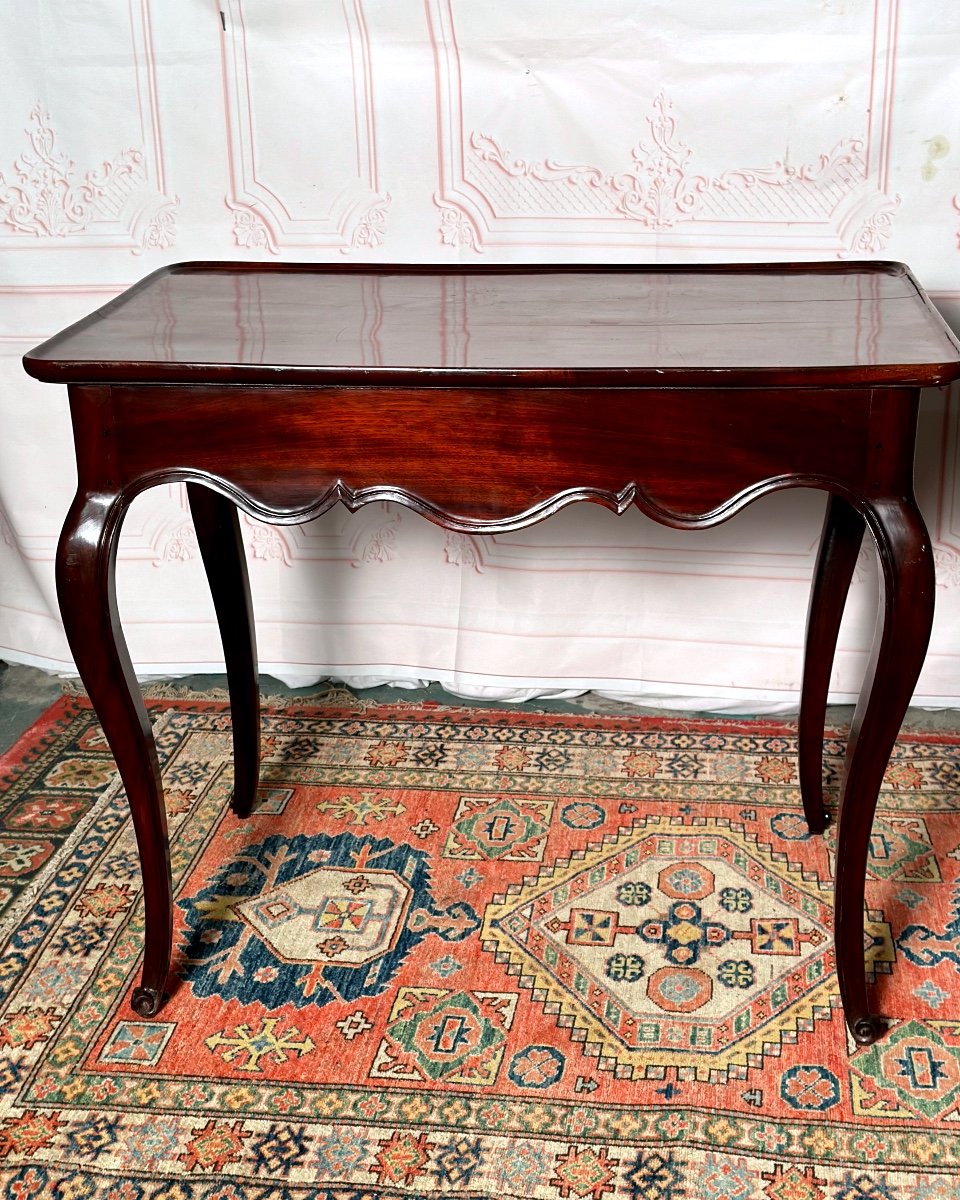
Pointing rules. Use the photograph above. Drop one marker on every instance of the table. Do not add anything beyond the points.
(487, 399)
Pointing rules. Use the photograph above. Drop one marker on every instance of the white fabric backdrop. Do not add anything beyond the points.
(139, 133)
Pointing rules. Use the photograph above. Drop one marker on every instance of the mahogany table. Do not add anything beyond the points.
(487, 399)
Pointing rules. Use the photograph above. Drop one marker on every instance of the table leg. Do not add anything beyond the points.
(899, 646)
(221, 547)
(86, 558)
(837, 557)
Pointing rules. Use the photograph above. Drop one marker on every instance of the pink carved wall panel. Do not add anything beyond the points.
(83, 168)
(139, 133)
(302, 151)
(677, 175)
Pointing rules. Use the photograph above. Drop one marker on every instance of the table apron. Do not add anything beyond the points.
(497, 458)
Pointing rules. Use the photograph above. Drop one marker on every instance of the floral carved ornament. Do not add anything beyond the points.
(44, 197)
(659, 190)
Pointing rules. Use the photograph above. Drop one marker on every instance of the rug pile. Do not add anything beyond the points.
(473, 953)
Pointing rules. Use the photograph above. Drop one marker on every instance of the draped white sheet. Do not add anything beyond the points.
(139, 133)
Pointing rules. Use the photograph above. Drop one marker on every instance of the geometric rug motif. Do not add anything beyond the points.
(497, 827)
(312, 919)
(655, 950)
(476, 953)
(438, 1033)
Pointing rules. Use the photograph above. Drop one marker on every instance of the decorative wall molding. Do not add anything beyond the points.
(838, 203)
(43, 197)
(659, 189)
(465, 550)
(377, 543)
(161, 229)
(175, 544)
(46, 203)
(871, 225)
(346, 213)
(249, 230)
(947, 560)
(157, 529)
(166, 535)
(267, 543)
(456, 228)
(369, 229)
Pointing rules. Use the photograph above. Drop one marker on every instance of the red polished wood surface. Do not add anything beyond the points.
(491, 459)
(486, 399)
(674, 326)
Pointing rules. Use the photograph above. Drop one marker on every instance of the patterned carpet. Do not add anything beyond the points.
(473, 953)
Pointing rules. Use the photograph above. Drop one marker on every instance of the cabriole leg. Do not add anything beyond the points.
(86, 558)
(836, 559)
(899, 646)
(221, 547)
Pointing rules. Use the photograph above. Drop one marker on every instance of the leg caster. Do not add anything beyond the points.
(866, 1030)
(146, 1002)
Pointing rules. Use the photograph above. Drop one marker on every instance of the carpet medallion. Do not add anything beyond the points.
(474, 953)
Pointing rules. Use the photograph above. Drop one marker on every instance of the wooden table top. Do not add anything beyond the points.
(815, 324)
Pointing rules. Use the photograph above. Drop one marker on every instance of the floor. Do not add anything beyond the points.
(26, 692)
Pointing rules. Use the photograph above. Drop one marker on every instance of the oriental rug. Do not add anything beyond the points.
(473, 953)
